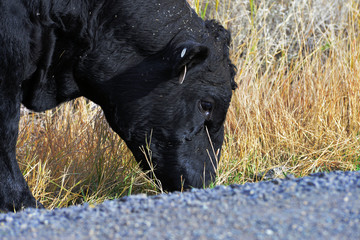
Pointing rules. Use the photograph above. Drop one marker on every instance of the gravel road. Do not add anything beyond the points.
(321, 206)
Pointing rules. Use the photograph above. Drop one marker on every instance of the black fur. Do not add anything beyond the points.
(127, 56)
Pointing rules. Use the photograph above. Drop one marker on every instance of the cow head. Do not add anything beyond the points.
(174, 102)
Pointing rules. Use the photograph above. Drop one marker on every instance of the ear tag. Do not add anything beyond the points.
(183, 53)
(182, 75)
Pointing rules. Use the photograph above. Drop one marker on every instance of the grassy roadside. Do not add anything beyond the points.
(297, 108)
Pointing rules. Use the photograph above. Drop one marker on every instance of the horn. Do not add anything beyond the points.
(182, 75)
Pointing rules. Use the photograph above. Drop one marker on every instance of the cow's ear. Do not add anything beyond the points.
(188, 55)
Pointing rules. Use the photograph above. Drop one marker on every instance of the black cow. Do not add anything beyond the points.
(156, 69)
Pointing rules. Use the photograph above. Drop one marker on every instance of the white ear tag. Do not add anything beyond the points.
(182, 75)
(183, 53)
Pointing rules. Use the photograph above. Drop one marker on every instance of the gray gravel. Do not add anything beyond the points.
(322, 206)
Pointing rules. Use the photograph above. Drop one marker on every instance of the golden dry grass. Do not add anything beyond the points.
(299, 113)
(69, 155)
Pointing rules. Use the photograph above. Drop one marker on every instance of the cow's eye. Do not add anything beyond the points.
(206, 108)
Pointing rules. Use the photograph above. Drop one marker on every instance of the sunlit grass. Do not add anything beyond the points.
(70, 156)
(299, 111)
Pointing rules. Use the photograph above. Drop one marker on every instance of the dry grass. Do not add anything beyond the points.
(297, 107)
(70, 156)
